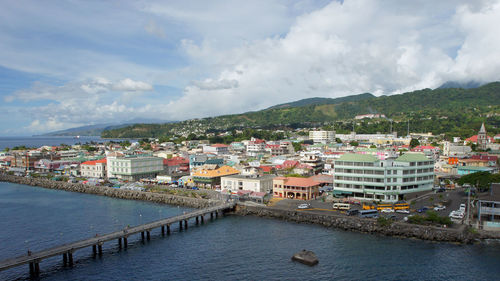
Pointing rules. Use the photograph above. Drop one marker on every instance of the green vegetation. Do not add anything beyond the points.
(383, 221)
(481, 180)
(414, 143)
(431, 217)
(453, 112)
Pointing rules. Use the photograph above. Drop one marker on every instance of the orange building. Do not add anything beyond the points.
(295, 188)
(206, 178)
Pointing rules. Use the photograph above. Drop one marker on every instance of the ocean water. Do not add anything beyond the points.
(39, 141)
(228, 248)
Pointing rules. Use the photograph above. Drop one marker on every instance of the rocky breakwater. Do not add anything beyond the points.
(398, 229)
(112, 192)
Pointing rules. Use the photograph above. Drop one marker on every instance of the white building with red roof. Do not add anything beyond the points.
(93, 169)
(218, 149)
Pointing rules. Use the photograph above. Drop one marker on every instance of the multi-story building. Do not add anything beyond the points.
(218, 149)
(255, 183)
(322, 136)
(134, 167)
(366, 177)
(211, 178)
(256, 147)
(94, 169)
(295, 188)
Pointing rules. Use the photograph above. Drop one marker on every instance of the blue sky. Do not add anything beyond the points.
(71, 63)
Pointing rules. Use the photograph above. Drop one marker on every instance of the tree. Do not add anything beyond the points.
(414, 143)
(6, 149)
(297, 146)
(337, 140)
(354, 143)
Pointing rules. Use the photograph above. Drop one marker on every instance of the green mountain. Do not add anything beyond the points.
(319, 101)
(451, 111)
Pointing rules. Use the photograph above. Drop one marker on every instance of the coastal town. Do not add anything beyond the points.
(419, 178)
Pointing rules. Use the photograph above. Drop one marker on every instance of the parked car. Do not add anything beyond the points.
(439, 208)
(352, 212)
(403, 211)
(422, 210)
(387, 210)
(456, 215)
(462, 207)
(304, 206)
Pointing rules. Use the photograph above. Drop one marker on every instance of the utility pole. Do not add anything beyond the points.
(468, 207)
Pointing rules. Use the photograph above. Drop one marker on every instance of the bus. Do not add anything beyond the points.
(341, 206)
(401, 206)
(384, 206)
(368, 214)
(368, 206)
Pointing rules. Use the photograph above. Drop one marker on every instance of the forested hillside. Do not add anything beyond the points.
(450, 111)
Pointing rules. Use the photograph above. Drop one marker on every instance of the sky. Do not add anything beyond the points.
(66, 64)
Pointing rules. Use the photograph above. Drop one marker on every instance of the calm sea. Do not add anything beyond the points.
(229, 248)
(36, 142)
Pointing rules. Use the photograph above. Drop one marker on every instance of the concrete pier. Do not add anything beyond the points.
(67, 250)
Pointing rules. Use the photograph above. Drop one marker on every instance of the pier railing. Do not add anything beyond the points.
(67, 250)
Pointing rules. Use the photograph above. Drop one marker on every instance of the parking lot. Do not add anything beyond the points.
(451, 199)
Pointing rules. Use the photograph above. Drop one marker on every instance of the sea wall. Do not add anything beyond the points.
(353, 223)
(112, 192)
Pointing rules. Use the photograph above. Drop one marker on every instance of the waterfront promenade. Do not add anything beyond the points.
(67, 250)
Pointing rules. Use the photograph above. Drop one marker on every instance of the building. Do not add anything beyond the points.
(295, 188)
(134, 167)
(465, 170)
(365, 177)
(369, 116)
(322, 136)
(482, 138)
(94, 169)
(211, 178)
(256, 147)
(450, 149)
(217, 149)
(488, 211)
(254, 183)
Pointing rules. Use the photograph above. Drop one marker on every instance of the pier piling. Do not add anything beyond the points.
(168, 228)
(125, 244)
(120, 243)
(148, 235)
(65, 259)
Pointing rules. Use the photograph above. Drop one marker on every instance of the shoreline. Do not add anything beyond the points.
(352, 223)
(112, 192)
(371, 226)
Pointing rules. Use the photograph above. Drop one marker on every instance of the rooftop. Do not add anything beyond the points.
(354, 157)
(412, 157)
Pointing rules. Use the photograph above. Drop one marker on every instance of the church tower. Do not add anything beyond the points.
(482, 138)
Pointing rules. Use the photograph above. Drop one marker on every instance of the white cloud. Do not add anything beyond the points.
(78, 90)
(383, 47)
(129, 85)
(237, 56)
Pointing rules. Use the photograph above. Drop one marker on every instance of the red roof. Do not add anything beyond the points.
(272, 146)
(94, 162)
(484, 157)
(174, 161)
(220, 145)
(301, 182)
(474, 139)
(267, 169)
(290, 163)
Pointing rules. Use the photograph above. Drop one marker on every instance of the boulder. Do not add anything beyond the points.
(306, 257)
